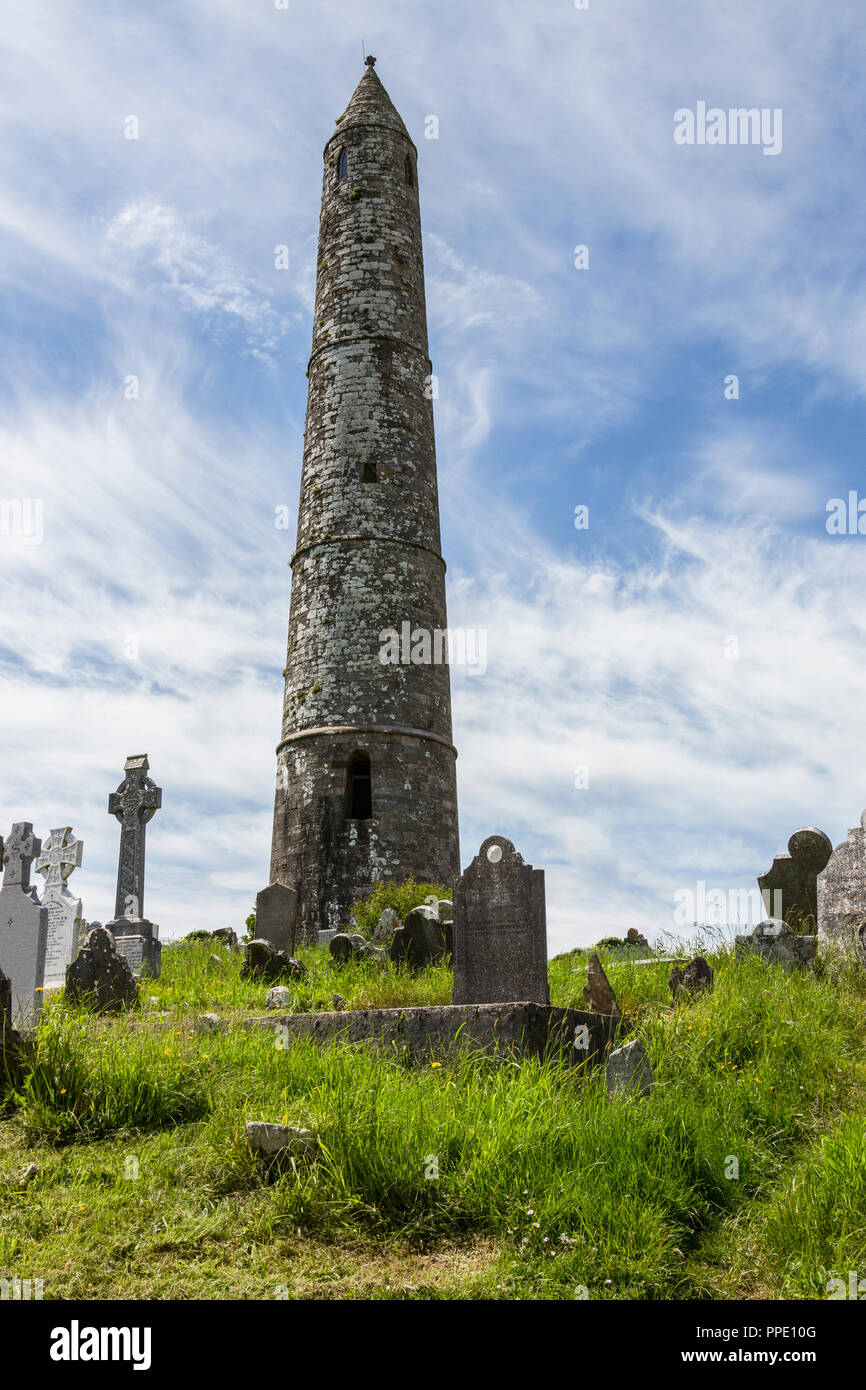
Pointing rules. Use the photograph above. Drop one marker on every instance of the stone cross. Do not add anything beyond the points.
(500, 931)
(61, 855)
(21, 849)
(793, 878)
(135, 802)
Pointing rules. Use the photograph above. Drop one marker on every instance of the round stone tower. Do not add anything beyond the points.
(366, 779)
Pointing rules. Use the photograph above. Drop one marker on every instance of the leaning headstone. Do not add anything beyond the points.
(262, 962)
(694, 978)
(598, 991)
(276, 916)
(228, 936)
(842, 894)
(135, 802)
(427, 938)
(61, 855)
(628, 1072)
(23, 925)
(778, 943)
(500, 929)
(100, 978)
(790, 888)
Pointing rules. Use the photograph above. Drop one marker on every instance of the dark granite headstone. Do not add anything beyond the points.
(694, 978)
(23, 925)
(500, 929)
(842, 894)
(100, 978)
(790, 887)
(262, 962)
(276, 916)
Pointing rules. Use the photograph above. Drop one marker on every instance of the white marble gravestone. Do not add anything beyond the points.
(23, 925)
(61, 854)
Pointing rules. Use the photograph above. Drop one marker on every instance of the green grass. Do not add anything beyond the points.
(544, 1187)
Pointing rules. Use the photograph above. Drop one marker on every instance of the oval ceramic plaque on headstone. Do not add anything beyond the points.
(494, 854)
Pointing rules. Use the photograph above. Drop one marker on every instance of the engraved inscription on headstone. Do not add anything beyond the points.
(842, 894)
(790, 888)
(61, 854)
(500, 929)
(23, 925)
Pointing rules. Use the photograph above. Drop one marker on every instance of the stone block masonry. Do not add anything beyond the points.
(366, 777)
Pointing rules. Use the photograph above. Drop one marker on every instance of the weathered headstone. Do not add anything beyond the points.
(424, 938)
(61, 855)
(500, 929)
(628, 1071)
(790, 888)
(842, 894)
(23, 925)
(388, 923)
(135, 802)
(262, 962)
(778, 943)
(694, 978)
(276, 916)
(100, 977)
(598, 991)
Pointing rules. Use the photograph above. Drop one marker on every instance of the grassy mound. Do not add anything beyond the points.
(742, 1174)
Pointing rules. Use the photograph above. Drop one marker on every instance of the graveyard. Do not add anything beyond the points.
(184, 1140)
(436, 493)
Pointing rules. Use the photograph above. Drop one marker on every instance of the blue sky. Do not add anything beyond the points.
(609, 648)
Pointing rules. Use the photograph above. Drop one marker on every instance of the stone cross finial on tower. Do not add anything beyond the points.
(135, 802)
(20, 850)
(370, 61)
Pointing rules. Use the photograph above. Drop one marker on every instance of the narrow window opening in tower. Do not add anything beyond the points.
(359, 797)
(410, 171)
(343, 165)
(368, 473)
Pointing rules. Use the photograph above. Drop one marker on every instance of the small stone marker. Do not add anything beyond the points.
(779, 944)
(99, 977)
(279, 997)
(23, 925)
(262, 962)
(694, 978)
(61, 855)
(628, 1072)
(598, 991)
(386, 926)
(276, 916)
(790, 888)
(270, 1139)
(500, 929)
(135, 802)
(842, 894)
